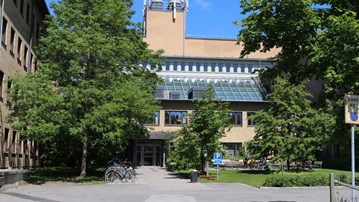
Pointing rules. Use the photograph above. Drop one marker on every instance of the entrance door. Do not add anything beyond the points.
(148, 154)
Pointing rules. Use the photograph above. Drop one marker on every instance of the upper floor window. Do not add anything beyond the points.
(4, 26)
(155, 120)
(1, 83)
(22, 8)
(6, 142)
(175, 117)
(27, 14)
(25, 58)
(236, 118)
(250, 122)
(12, 40)
(19, 42)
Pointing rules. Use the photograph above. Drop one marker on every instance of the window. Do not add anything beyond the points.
(19, 42)
(22, 8)
(6, 142)
(155, 120)
(4, 26)
(250, 122)
(15, 2)
(175, 118)
(12, 40)
(231, 149)
(27, 14)
(13, 142)
(25, 58)
(236, 118)
(1, 83)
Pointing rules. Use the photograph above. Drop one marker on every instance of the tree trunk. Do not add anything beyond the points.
(202, 161)
(288, 164)
(84, 155)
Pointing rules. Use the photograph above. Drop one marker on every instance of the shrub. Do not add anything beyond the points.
(296, 181)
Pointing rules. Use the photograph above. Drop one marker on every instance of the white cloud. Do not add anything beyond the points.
(204, 4)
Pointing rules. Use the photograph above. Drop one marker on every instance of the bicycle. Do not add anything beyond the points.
(120, 173)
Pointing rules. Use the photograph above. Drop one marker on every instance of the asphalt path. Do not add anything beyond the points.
(157, 185)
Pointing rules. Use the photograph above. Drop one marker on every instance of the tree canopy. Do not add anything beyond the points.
(199, 140)
(290, 127)
(317, 39)
(90, 91)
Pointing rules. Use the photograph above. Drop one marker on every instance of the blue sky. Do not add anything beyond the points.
(210, 18)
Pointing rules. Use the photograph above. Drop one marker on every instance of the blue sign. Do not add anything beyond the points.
(217, 158)
(353, 116)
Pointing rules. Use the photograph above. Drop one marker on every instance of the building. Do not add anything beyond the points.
(191, 64)
(21, 26)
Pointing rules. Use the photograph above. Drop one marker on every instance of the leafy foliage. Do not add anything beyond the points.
(289, 126)
(90, 92)
(199, 140)
(316, 39)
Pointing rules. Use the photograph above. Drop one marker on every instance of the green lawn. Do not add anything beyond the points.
(257, 178)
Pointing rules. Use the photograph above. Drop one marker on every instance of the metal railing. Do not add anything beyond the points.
(340, 191)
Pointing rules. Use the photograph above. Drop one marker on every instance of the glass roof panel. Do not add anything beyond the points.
(244, 89)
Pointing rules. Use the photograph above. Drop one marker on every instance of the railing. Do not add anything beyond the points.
(159, 6)
(340, 191)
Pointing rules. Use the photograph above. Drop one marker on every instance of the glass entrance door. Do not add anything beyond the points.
(148, 154)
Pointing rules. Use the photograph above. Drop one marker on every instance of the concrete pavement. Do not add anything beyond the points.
(155, 184)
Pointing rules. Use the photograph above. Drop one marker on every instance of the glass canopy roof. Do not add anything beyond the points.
(236, 89)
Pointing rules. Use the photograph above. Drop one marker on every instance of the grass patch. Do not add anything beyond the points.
(257, 178)
(63, 174)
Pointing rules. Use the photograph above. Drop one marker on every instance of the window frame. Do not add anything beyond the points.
(235, 124)
(152, 121)
(250, 123)
(181, 120)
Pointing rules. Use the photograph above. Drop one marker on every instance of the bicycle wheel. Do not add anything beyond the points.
(111, 176)
(130, 176)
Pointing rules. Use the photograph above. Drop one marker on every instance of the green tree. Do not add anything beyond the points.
(317, 39)
(290, 126)
(90, 91)
(199, 140)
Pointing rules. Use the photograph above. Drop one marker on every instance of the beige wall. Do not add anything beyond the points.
(12, 63)
(239, 134)
(162, 32)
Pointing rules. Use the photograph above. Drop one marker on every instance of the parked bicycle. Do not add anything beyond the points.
(120, 172)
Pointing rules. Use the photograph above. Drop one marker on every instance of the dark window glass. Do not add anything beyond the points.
(1, 83)
(4, 26)
(250, 122)
(155, 120)
(175, 117)
(236, 118)
(12, 40)
(22, 7)
(19, 42)
(27, 14)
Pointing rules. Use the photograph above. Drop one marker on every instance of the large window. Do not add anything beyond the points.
(19, 42)
(155, 120)
(236, 118)
(250, 122)
(175, 118)
(1, 83)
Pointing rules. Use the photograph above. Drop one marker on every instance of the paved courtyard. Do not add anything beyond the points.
(155, 184)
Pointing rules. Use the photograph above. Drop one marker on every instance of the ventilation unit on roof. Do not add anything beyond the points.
(196, 92)
(156, 5)
(175, 95)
